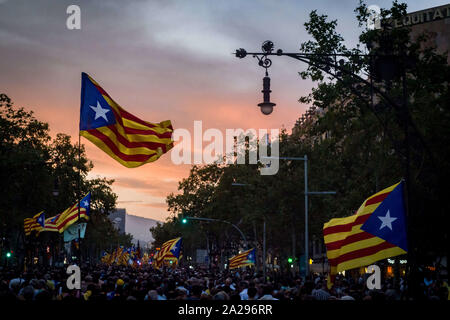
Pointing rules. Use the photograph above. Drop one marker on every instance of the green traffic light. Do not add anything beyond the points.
(290, 260)
(184, 221)
(8, 254)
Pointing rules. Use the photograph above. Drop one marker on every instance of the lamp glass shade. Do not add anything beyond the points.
(266, 107)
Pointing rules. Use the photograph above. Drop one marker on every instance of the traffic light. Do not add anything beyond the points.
(182, 218)
(9, 254)
(290, 260)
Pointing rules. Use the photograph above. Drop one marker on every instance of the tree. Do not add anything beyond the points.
(40, 173)
(404, 133)
(368, 142)
(25, 177)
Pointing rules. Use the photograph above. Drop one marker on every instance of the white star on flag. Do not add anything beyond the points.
(99, 111)
(85, 203)
(387, 220)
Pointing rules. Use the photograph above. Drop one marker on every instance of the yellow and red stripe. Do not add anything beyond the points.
(240, 260)
(130, 141)
(50, 224)
(165, 252)
(350, 247)
(31, 224)
(69, 217)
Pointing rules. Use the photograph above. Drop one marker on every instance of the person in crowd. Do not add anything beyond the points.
(320, 292)
(267, 292)
(123, 283)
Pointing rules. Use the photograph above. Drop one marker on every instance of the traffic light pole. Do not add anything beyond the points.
(264, 250)
(218, 220)
(79, 198)
(305, 159)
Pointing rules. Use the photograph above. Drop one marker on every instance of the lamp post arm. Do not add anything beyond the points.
(306, 58)
(407, 115)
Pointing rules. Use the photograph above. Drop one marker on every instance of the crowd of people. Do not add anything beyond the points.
(103, 283)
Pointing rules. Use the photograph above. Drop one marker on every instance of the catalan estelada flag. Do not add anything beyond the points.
(118, 255)
(377, 231)
(70, 215)
(170, 249)
(105, 257)
(34, 224)
(126, 138)
(171, 260)
(50, 224)
(246, 258)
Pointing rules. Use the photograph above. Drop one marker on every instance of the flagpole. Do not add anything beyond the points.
(79, 196)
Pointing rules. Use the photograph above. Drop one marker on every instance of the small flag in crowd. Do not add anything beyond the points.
(377, 231)
(169, 250)
(123, 136)
(122, 257)
(34, 224)
(70, 215)
(246, 258)
(50, 224)
(105, 257)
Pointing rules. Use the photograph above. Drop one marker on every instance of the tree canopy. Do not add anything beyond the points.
(38, 172)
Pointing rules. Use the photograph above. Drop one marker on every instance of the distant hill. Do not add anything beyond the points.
(139, 227)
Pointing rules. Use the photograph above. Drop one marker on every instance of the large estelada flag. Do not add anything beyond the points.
(377, 231)
(246, 258)
(170, 249)
(126, 138)
(34, 224)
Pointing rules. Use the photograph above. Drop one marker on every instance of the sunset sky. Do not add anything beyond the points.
(160, 60)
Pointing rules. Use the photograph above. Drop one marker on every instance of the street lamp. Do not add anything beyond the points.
(266, 106)
(267, 48)
(329, 63)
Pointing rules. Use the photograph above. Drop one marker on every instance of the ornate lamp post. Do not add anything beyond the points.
(334, 65)
(383, 67)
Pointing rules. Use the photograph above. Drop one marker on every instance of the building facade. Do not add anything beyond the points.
(435, 21)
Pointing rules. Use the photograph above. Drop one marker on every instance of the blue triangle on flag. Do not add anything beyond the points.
(388, 221)
(95, 110)
(86, 203)
(41, 220)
